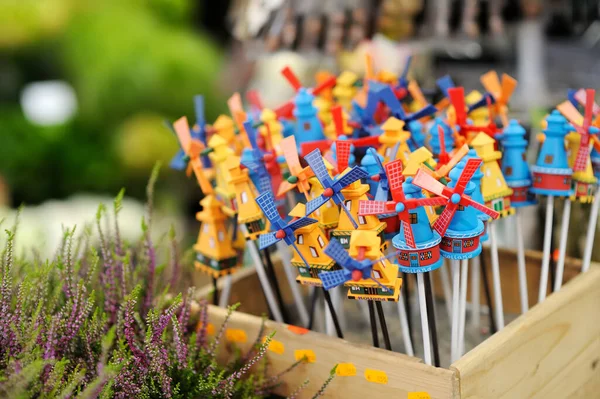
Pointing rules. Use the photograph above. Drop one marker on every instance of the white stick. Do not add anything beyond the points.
(446, 288)
(225, 292)
(475, 294)
(262, 276)
(464, 278)
(286, 257)
(404, 326)
(329, 326)
(496, 277)
(455, 310)
(591, 232)
(521, 263)
(337, 295)
(562, 247)
(424, 319)
(546, 254)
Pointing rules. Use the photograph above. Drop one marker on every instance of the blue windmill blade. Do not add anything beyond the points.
(315, 161)
(356, 173)
(335, 278)
(178, 161)
(482, 102)
(251, 132)
(445, 83)
(336, 251)
(200, 119)
(372, 100)
(302, 222)
(571, 97)
(375, 155)
(347, 212)
(388, 256)
(403, 80)
(315, 204)
(266, 240)
(264, 181)
(383, 287)
(388, 97)
(425, 111)
(266, 203)
(251, 164)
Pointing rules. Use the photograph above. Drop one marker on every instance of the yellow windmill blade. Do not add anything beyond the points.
(417, 94)
(458, 155)
(570, 112)
(239, 116)
(192, 148)
(203, 182)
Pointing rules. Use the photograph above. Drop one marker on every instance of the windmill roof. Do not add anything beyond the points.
(473, 97)
(216, 140)
(346, 78)
(223, 121)
(482, 139)
(298, 211)
(392, 124)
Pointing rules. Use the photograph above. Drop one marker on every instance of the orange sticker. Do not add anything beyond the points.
(345, 370)
(236, 335)
(298, 330)
(305, 353)
(418, 395)
(376, 376)
(210, 328)
(275, 346)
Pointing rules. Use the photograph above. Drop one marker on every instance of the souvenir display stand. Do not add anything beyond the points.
(551, 351)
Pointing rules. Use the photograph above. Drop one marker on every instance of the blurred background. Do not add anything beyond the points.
(85, 87)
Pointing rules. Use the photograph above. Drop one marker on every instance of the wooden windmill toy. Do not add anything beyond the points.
(298, 175)
(580, 142)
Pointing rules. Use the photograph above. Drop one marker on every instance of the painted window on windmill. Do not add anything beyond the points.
(457, 246)
(300, 239)
(468, 243)
(321, 241)
(313, 252)
(414, 219)
(361, 219)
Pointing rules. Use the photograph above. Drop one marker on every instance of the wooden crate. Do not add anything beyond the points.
(553, 351)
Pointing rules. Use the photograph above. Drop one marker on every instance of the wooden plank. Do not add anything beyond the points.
(553, 351)
(509, 277)
(404, 374)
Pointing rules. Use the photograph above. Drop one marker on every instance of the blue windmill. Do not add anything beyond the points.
(352, 269)
(198, 132)
(331, 187)
(445, 83)
(385, 94)
(401, 89)
(253, 159)
(282, 231)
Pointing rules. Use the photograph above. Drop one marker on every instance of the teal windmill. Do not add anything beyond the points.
(514, 164)
(458, 224)
(424, 256)
(551, 173)
(308, 125)
(417, 136)
(372, 164)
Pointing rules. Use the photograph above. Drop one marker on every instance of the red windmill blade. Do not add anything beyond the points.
(400, 205)
(338, 120)
(582, 126)
(454, 196)
(457, 98)
(290, 76)
(443, 157)
(342, 154)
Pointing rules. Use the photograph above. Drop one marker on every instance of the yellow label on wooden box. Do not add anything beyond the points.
(376, 376)
(345, 370)
(236, 335)
(307, 353)
(418, 395)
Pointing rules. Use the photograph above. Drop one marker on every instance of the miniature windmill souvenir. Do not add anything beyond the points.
(215, 254)
(442, 141)
(220, 153)
(460, 229)
(353, 193)
(198, 133)
(372, 164)
(368, 274)
(345, 89)
(331, 187)
(394, 139)
(418, 249)
(552, 177)
(494, 189)
(516, 172)
(595, 157)
(583, 175)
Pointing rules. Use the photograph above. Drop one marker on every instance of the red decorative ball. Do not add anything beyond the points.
(328, 192)
(356, 275)
(280, 235)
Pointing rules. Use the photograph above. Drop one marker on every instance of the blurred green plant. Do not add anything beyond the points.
(131, 63)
